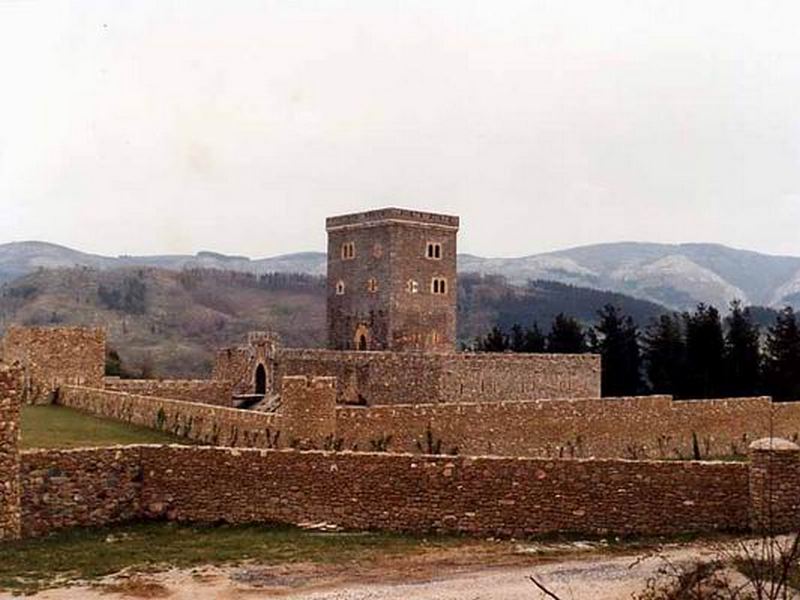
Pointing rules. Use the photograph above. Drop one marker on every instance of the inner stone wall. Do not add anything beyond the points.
(633, 428)
(306, 416)
(201, 423)
(54, 356)
(377, 378)
(203, 391)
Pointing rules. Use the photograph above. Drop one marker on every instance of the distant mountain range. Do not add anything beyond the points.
(677, 276)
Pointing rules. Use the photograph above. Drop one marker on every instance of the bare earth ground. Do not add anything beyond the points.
(439, 575)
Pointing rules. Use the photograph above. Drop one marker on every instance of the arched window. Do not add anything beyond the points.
(348, 251)
(434, 251)
(261, 380)
(372, 285)
(340, 288)
(412, 287)
(439, 285)
(362, 343)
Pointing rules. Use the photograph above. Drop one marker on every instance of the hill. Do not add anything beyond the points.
(675, 275)
(169, 322)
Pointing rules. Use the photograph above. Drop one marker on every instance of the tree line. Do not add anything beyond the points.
(698, 354)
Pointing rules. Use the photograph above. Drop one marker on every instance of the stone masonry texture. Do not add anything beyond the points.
(375, 378)
(53, 356)
(203, 391)
(774, 485)
(9, 453)
(83, 487)
(653, 427)
(475, 495)
(383, 288)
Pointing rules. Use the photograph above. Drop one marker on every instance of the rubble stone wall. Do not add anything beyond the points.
(369, 491)
(198, 422)
(202, 391)
(376, 378)
(640, 427)
(85, 487)
(9, 453)
(55, 356)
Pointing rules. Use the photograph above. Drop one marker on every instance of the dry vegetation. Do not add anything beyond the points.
(167, 323)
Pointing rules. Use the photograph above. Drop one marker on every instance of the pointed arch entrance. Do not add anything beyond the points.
(362, 338)
(261, 380)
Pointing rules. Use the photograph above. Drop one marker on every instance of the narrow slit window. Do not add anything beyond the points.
(372, 285)
(340, 288)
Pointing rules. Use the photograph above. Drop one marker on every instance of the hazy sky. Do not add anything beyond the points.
(163, 126)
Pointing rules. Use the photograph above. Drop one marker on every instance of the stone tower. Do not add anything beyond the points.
(392, 281)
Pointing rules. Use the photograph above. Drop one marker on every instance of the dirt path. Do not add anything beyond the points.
(591, 577)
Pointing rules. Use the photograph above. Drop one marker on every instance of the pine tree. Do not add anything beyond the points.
(566, 336)
(517, 339)
(617, 341)
(705, 346)
(742, 358)
(494, 341)
(664, 351)
(534, 339)
(782, 357)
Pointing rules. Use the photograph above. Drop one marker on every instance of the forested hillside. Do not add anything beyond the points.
(168, 323)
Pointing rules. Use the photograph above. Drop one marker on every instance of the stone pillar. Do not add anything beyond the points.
(774, 485)
(308, 412)
(10, 509)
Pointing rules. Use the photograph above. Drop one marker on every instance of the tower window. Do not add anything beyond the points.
(439, 285)
(372, 285)
(340, 288)
(434, 251)
(412, 287)
(348, 251)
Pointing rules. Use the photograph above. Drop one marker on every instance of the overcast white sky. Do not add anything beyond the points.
(153, 126)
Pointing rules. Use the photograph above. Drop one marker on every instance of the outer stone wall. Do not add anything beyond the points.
(202, 391)
(481, 496)
(484, 496)
(85, 487)
(54, 356)
(9, 453)
(774, 485)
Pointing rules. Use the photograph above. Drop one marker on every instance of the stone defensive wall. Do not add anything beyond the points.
(201, 423)
(651, 427)
(54, 356)
(203, 391)
(373, 491)
(637, 427)
(376, 378)
(47, 490)
(10, 385)
(306, 416)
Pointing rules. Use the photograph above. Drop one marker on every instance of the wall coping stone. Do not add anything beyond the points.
(774, 445)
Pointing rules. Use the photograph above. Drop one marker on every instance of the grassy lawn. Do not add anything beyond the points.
(60, 427)
(85, 554)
